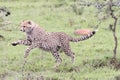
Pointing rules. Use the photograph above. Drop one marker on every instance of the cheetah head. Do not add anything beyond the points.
(27, 26)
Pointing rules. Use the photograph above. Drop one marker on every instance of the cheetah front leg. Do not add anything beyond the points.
(23, 42)
(29, 49)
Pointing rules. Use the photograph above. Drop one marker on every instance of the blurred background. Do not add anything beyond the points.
(93, 56)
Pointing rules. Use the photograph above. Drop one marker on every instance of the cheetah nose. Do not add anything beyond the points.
(21, 30)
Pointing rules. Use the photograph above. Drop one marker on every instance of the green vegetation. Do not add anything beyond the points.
(93, 56)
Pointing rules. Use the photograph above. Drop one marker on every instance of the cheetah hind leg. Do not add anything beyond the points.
(67, 50)
(71, 54)
(58, 59)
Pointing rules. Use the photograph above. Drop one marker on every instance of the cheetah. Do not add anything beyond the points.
(52, 42)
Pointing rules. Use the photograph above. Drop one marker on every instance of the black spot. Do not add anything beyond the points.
(93, 32)
(58, 48)
(14, 44)
(8, 13)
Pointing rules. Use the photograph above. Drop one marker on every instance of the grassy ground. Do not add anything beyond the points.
(93, 56)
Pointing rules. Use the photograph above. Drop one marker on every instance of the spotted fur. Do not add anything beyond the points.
(52, 42)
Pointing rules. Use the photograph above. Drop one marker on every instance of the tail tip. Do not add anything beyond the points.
(94, 31)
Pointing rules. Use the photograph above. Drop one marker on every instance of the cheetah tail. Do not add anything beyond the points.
(85, 37)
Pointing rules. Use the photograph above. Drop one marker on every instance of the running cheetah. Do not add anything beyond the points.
(52, 42)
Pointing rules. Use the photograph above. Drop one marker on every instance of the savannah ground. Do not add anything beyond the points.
(93, 56)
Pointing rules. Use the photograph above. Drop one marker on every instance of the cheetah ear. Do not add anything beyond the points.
(29, 22)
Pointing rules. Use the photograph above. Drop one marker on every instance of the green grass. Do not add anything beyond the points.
(53, 18)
